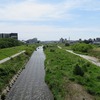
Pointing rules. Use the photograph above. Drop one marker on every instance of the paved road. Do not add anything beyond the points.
(30, 85)
(8, 58)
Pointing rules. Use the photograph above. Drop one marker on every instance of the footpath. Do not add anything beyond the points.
(8, 58)
(89, 58)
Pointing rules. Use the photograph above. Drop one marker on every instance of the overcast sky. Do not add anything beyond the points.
(51, 19)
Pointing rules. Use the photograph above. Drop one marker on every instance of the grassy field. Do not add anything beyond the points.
(10, 51)
(63, 68)
(11, 67)
(95, 52)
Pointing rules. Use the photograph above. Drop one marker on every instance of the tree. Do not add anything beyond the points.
(9, 42)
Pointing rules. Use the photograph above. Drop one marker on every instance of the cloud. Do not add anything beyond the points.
(32, 10)
(24, 11)
(28, 10)
(90, 5)
(16, 16)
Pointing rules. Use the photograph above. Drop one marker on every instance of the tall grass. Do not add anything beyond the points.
(60, 70)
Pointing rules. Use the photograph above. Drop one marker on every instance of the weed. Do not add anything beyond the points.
(63, 67)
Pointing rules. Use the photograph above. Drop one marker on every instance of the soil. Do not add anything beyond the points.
(77, 92)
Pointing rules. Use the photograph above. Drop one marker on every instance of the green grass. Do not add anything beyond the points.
(8, 69)
(11, 67)
(59, 72)
(11, 51)
(95, 52)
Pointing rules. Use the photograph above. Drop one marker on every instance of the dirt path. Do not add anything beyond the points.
(89, 58)
(31, 85)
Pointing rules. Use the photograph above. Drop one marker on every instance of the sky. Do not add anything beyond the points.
(51, 19)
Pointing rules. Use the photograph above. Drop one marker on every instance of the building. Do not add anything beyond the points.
(61, 40)
(30, 41)
(9, 35)
(97, 41)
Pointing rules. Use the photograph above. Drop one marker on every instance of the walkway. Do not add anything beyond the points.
(8, 58)
(89, 58)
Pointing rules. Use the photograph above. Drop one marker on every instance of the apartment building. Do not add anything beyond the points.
(9, 35)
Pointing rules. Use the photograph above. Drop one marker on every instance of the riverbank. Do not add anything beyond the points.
(13, 67)
(68, 74)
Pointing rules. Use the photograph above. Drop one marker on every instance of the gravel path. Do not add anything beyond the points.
(31, 85)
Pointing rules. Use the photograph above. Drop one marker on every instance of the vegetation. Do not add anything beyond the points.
(82, 47)
(7, 52)
(67, 44)
(9, 42)
(11, 67)
(78, 70)
(95, 52)
(63, 67)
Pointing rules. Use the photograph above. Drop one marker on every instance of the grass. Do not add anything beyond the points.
(11, 51)
(95, 52)
(60, 66)
(11, 67)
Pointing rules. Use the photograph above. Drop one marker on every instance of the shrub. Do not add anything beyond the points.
(3, 72)
(44, 47)
(82, 47)
(67, 44)
(9, 42)
(28, 52)
(72, 79)
(52, 50)
(98, 77)
(91, 92)
(78, 70)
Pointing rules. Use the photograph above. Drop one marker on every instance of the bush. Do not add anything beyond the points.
(98, 77)
(78, 70)
(91, 92)
(67, 44)
(82, 47)
(44, 47)
(29, 51)
(9, 42)
(3, 72)
(52, 50)
(72, 79)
